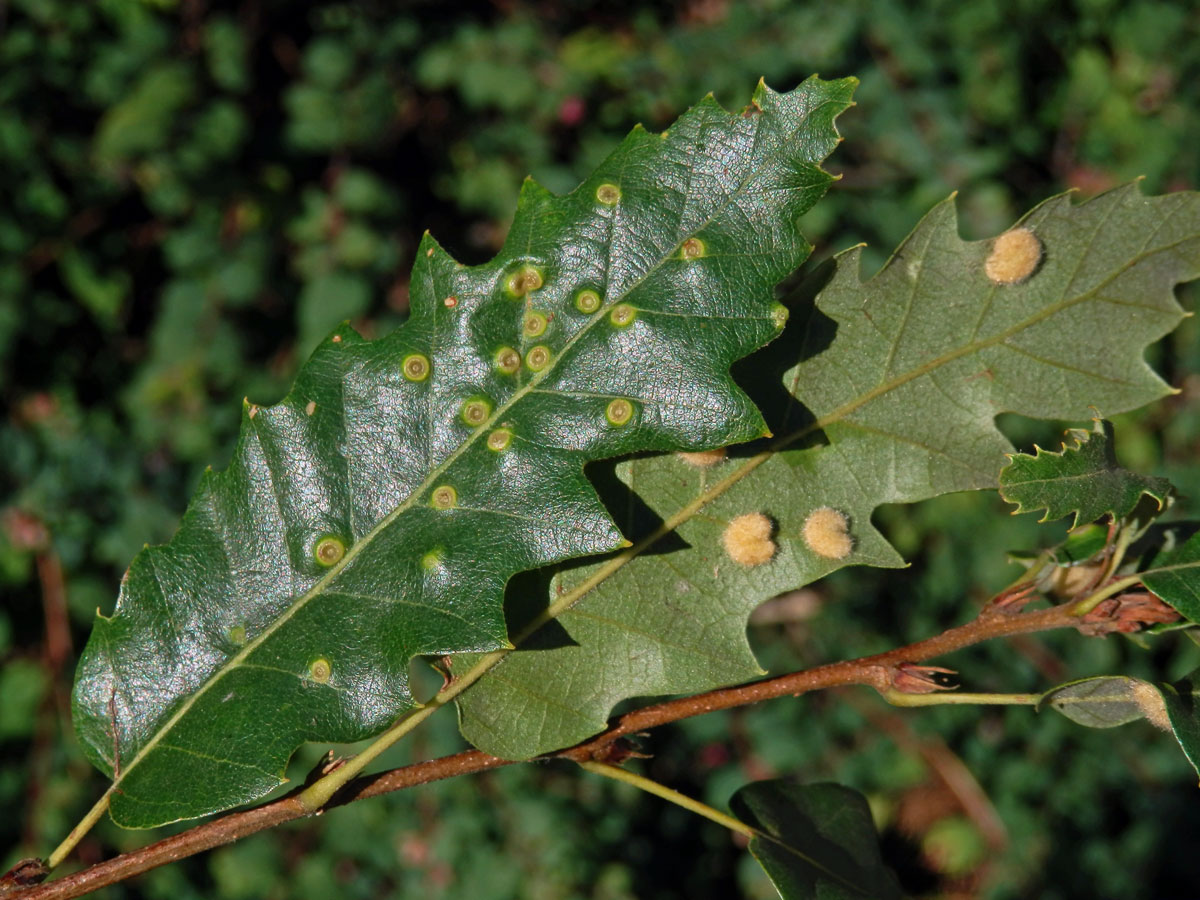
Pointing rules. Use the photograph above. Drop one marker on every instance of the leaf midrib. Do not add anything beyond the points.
(318, 588)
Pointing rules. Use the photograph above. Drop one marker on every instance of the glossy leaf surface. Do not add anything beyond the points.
(1083, 479)
(377, 512)
(816, 841)
(884, 391)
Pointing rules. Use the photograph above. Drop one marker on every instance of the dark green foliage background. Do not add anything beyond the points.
(192, 194)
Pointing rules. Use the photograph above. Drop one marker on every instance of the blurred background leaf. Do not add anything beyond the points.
(190, 193)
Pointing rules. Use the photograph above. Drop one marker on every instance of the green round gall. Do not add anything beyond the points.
(507, 360)
(444, 497)
(499, 439)
(320, 670)
(415, 367)
(622, 315)
(538, 358)
(587, 301)
(523, 280)
(619, 411)
(329, 550)
(535, 323)
(476, 411)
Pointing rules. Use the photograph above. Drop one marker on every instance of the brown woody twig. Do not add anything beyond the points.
(878, 671)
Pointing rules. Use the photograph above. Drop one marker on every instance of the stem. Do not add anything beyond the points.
(869, 670)
(1094, 599)
(651, 786)
(1118, 554)
(77, 833)
(897, 698)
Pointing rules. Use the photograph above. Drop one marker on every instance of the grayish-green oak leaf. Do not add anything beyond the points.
(378, 511)
(899, 380)
(1107, 701)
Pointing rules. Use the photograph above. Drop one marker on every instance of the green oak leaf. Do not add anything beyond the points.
(1173, 574)
(377, 512)
(1180, 702)
(1082, 479)
(893, 400)
(815, 841)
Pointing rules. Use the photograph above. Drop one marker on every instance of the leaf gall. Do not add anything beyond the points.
(535, 324)
(329, 551)
(475, 411)
(608, 194)
(619, 411)
(1015, 256)
(444, 497)
(747, 540)
(622, 314)
(499, 439)
(587, 302)
(826, 532)
(702, 459)
(693, 248)
(508, 360)
(320, 671)
(538, 358)
(1149, 700)
(524, 280)
(415, 367)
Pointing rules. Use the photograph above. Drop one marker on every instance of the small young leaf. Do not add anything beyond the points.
(1083, 479)
(893, 400)
(815, 841)
(377, 512)
(1102, 702)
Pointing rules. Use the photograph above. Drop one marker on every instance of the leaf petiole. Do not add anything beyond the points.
(898, 698)
(1090, 602)
(79, 831)
(661, 790)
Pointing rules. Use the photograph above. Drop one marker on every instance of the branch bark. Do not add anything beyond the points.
(875, 671)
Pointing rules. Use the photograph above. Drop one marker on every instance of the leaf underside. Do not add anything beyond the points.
(1083, 479)
(893, 400)
(1105, 701)
(816, 841)
(233, 643)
